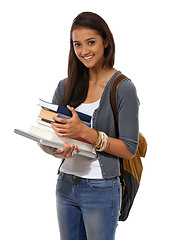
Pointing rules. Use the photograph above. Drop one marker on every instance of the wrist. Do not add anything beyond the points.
(102, 142)
(89, 134)
(83, 131)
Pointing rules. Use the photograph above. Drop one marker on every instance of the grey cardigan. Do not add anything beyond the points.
(103, 120)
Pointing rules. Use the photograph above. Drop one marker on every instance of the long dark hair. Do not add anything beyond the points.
(77, 82)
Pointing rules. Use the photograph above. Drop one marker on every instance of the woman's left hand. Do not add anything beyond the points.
(70, 128)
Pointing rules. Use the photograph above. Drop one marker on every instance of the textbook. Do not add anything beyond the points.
(47, 123)
(43, 133)
(50, 139)
(63, 110)
(46, 114)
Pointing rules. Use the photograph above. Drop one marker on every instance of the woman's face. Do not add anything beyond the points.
(89, 47)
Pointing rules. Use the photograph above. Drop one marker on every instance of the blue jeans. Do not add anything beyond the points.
(87, 209)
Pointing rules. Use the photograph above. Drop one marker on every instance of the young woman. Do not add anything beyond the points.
(89, 190)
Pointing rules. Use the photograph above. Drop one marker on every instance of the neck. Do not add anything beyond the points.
(96, 75)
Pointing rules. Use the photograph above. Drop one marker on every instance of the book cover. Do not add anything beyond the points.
(63, 110)
(48, 115)
(55, 142)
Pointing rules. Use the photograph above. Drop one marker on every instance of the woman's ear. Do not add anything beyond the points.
(106, 43)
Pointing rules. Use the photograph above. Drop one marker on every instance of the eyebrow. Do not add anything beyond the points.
(86, 39)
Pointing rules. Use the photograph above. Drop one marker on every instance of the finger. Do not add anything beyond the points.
(68, 146)
(58, 151)
(60, 120)
(74, 113)
(62, 151)
(77, 148)
(69, 149)
(61, 132)
(59, 128)
(75, 151)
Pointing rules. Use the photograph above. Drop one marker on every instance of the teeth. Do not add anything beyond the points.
(88, 57)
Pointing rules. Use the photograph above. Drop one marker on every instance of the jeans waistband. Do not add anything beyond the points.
(74, 177)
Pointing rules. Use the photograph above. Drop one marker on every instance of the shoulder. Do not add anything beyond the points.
(126, 88)
(59, 92)
(61, 84)
(126, 94)
(126, 85)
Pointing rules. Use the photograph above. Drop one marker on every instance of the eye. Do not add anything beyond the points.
(77, 45)
(91, 42)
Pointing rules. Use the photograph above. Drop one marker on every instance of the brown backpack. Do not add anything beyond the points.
(131, 170)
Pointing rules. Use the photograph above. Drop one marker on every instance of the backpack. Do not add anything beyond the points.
(131, 170)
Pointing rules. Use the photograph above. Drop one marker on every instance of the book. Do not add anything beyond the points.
(47, 123)
(43, 133)
(63, 110)
(50, 139)
(48, 115)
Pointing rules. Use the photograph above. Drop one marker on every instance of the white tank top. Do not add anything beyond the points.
(82, 166)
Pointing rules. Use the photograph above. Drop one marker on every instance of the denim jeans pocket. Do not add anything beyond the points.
(101, 184)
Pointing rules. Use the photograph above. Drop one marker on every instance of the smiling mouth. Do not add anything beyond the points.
(88, 58)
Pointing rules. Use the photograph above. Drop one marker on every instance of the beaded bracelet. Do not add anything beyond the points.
(102, 142)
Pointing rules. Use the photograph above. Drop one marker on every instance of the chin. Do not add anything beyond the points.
(89, 65)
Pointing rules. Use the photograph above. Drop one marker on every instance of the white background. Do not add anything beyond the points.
(34, 46)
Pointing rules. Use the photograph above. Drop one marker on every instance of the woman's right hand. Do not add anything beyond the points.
(68, 151)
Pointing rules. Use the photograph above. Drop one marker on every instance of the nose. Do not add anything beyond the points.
(85, 50)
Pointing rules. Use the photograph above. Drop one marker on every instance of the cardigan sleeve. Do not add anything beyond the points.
(59, 92)
(128, 119)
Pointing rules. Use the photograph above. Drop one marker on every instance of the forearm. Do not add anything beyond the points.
(116, 146)
(50, 151)
(74, 127)
(46, 149)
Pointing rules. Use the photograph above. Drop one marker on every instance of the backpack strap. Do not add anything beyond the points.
(118, 79)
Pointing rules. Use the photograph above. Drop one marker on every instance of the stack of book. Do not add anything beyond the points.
(43, 132)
